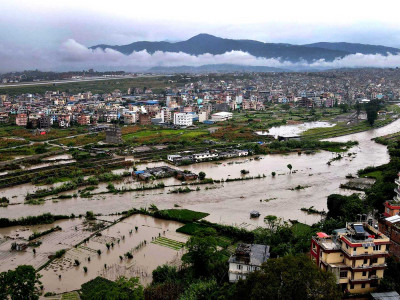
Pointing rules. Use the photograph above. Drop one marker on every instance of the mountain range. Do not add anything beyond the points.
(205, 43)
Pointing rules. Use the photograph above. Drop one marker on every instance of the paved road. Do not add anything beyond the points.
(70, 81)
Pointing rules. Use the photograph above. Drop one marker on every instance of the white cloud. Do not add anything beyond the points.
(72, 55)
(74, 52)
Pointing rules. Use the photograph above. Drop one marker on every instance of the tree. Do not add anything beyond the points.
(358, 108)
(273, 174)
(290, 167)
(372, 108)
(19, 284)
(165, 273)
(345, 207)
(272, 221)
(289, 277)
(202, 252)
(100, 288)
(201, 290)
(90, 215)
(202, 175)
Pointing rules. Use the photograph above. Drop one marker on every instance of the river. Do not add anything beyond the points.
(230, 203)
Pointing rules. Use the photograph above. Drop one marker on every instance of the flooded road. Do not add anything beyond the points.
(230, 203)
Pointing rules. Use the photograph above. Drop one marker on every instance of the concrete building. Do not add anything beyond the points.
(83, 120)
(391, 227)
(355, 254)
(21, 119)
(392, 207)
(221, 116)
(246, 259)
(202, 116)
(183, 119)
(113, 135)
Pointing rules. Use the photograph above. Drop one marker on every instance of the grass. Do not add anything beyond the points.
(183, 215)
(191, 228)
(169, 243)
(83, 139)
(342, 129)
(300, 229)
(375, 174)
(33, 149)
(70, 296)
(153, 135)
(157, 84)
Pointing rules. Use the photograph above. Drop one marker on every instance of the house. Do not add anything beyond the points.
(21, 119)
(246, 259)
(385, 296)
(355, 254)
(221, 116)
(391, 227)
(173, 157)
(83, 120)
(204, 156)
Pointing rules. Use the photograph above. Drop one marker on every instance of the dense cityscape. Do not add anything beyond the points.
(149, 151)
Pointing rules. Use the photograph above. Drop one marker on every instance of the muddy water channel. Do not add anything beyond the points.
(231, 202)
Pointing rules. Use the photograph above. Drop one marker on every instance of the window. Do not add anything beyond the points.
(363, 286)
(377, 247)
(365, 261)
(351, 286)
(239, 267)
(366, 247)
(343, 274)
(364, 273)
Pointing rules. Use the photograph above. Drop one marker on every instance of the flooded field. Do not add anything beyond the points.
(231, 202)
(147, 253)
(72, 232)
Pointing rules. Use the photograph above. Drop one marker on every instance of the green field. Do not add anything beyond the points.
(169, 243)
(157, 84)
(182, 215)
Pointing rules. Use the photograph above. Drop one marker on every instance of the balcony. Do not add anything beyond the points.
(372, 278)
(369, 267)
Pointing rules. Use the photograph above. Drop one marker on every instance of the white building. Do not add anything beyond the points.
(221, 116)
(204, 155)
(202, 116)
(183, 119)
(247, 258)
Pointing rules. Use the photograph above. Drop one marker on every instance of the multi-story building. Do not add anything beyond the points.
(113, 135)
(246, 259)
(83, 120)
(355, 254)
(392, 207)
(183, 119)
(21, 119)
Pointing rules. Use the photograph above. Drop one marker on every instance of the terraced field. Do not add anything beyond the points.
(166, 242)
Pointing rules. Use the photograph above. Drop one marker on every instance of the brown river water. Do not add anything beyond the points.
(230, 203)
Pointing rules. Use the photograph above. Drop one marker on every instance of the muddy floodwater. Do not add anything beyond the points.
(230, 203)
(64, 275)
(292, 130)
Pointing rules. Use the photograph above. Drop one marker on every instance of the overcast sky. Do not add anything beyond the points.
(41, 34)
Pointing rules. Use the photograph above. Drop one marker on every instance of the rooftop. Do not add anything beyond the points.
(252, 254)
